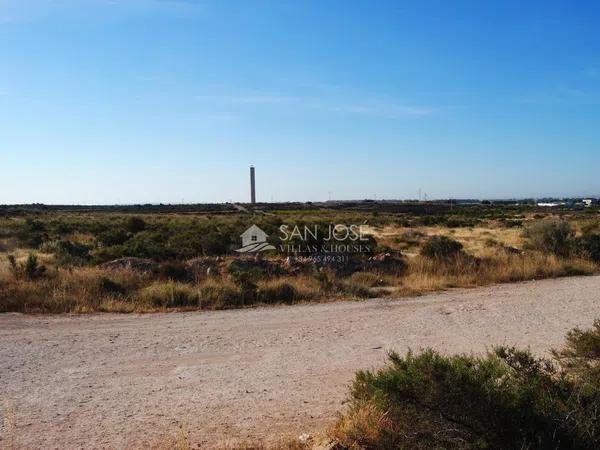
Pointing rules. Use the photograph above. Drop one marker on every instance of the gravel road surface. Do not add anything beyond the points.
(120, 381)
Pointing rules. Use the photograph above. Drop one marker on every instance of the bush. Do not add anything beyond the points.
(324, 279)
(354, 289)
(169, 295)
(145, 244)
(135, 225)
(32, 233)
(277, 293)
(550, 236)
(441, 247)
(366, 279)
(507, 399)
(581, 355)
(245, 282)
(214, 295)
(113, 237)
(68, 253)
(109, 286)
(588, 247)
(175, 271)
(31, 269)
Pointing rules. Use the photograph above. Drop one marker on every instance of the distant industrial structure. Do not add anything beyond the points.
(252, 186)
(568, 203)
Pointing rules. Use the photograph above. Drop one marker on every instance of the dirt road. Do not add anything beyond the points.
(115, 381)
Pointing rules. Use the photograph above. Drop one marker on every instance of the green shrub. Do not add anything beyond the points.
(580, 357)
(109, 286)
(241, 268)
(366, 279)
(441, 247)
(68, 253)
(277, 293)
(353, 289)
(31, 269)
(186, 244)
(115, 236)
(324, 280)
(169, 295)
(550, 236)
(175, 271)
(588, 247)
(512, 223)
(507, 399)
(244, 280)
(135, 224)
(216, 242)
(32, 233)
(214, 295)
(146, 244)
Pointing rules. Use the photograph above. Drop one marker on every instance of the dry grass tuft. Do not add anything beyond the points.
(365, 425)
(289, 290)
(8, 426)
(180, 441)
(426, 275)
(169, 294)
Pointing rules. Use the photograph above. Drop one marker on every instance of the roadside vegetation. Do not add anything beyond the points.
(52, 262)
(506, 399)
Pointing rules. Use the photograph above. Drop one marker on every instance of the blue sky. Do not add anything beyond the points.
(129, 101)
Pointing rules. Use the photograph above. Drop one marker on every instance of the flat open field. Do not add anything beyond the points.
(115, 381)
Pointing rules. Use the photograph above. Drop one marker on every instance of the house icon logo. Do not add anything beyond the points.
(254, 240)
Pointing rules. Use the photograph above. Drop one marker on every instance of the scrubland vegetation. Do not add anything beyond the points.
(85, 262)
(507, 399)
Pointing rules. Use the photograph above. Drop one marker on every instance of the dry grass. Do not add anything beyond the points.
(84, 290)
(289, 289)
(173, 442)
(427, 275)
(169, 294)
(370, 280)
(180, 441)
(365, 425)
(79, 290)
(8, 426)
(475, 240)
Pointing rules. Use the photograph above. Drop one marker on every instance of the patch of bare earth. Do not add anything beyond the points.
(117, 381)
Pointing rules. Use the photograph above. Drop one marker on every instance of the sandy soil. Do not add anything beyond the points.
(115, 381)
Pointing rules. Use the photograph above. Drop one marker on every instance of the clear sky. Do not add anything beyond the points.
(129, 101)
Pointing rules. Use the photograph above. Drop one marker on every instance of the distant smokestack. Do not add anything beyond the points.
(252, 186)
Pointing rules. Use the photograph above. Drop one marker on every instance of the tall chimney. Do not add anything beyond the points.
(252, 186)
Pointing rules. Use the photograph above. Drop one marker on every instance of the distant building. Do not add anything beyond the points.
(587, 202)
(549, 204)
